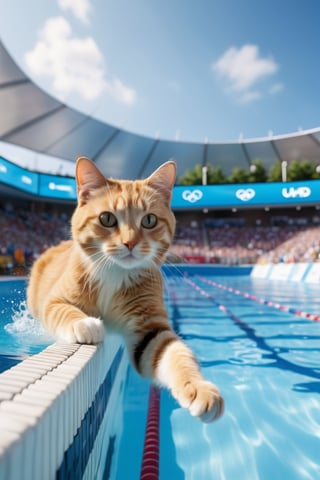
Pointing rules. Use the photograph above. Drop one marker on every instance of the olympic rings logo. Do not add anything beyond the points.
(192, 196)
(245, 194)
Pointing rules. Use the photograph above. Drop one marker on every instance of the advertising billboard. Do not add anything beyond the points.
(184, 197)
(54, 186)
(18, 177)
(246, 195)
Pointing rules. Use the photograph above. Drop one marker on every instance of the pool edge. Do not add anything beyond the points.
(52, 398)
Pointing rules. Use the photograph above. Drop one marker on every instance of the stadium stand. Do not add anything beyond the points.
(27, 229)
(26, 233)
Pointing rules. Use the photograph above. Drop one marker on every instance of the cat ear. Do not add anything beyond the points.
(163, 179)
(88, 178)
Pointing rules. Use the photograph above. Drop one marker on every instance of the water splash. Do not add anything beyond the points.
(25, 329)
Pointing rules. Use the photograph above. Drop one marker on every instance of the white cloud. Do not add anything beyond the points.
(79, 8)
(74, 65)
(243, 68)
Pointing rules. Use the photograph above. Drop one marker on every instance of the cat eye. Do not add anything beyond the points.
(107, 219)
(149, 221)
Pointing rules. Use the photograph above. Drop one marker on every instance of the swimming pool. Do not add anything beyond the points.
(253, 341)
(264, 359)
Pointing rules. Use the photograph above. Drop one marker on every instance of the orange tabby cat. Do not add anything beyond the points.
(108, 275)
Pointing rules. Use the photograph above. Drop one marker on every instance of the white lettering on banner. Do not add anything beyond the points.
(245, 194)
(62, 188)
(3, 168)
(301, 192)
(192, 196)
(27, 180)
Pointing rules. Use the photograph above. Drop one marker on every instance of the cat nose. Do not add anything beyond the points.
(130, 245)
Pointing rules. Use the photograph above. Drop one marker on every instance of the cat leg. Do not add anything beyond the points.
(71, 325)
(177, 367)
(162, 356)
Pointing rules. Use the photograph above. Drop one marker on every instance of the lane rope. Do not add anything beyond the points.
(207, 295)
(262, 344)
(150, 458)
(263, 301)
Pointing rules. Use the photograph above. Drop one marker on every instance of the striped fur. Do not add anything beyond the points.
(108, 276)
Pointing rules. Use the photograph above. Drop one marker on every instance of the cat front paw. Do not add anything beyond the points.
(88, 330)
(203, 400)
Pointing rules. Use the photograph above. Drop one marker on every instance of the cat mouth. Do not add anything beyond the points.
(131, 261)
(128, 261)
(129, 257)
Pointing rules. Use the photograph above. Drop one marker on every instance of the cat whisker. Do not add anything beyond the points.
(100, 265)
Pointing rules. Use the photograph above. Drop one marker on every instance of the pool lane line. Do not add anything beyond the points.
(207, 295)
(263, 301)
(150, 458)
(260, 341)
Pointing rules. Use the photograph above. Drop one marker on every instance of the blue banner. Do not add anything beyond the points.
(18, 177)
(54, 186)
(184, 197)
(246, 195)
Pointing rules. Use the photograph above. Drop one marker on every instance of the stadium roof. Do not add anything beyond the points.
(35, 120)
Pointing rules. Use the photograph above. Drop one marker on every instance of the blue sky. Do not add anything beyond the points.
(214, 69)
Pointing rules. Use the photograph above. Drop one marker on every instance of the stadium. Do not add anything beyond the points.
(228, 236)
(51, 136)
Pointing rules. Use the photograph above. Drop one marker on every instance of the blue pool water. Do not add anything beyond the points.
(264, 360)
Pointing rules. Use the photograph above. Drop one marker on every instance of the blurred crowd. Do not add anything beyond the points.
(249, 245)
(25, 234)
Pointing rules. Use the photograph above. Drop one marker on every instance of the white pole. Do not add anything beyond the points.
(204, 175)
(284, 165)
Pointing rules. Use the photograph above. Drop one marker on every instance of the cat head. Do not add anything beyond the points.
(123, 222)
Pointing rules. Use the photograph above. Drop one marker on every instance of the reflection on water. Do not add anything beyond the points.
(264, 434)
(266, 364)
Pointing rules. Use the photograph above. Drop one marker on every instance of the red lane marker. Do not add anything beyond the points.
(150, 459)
(299, 313)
